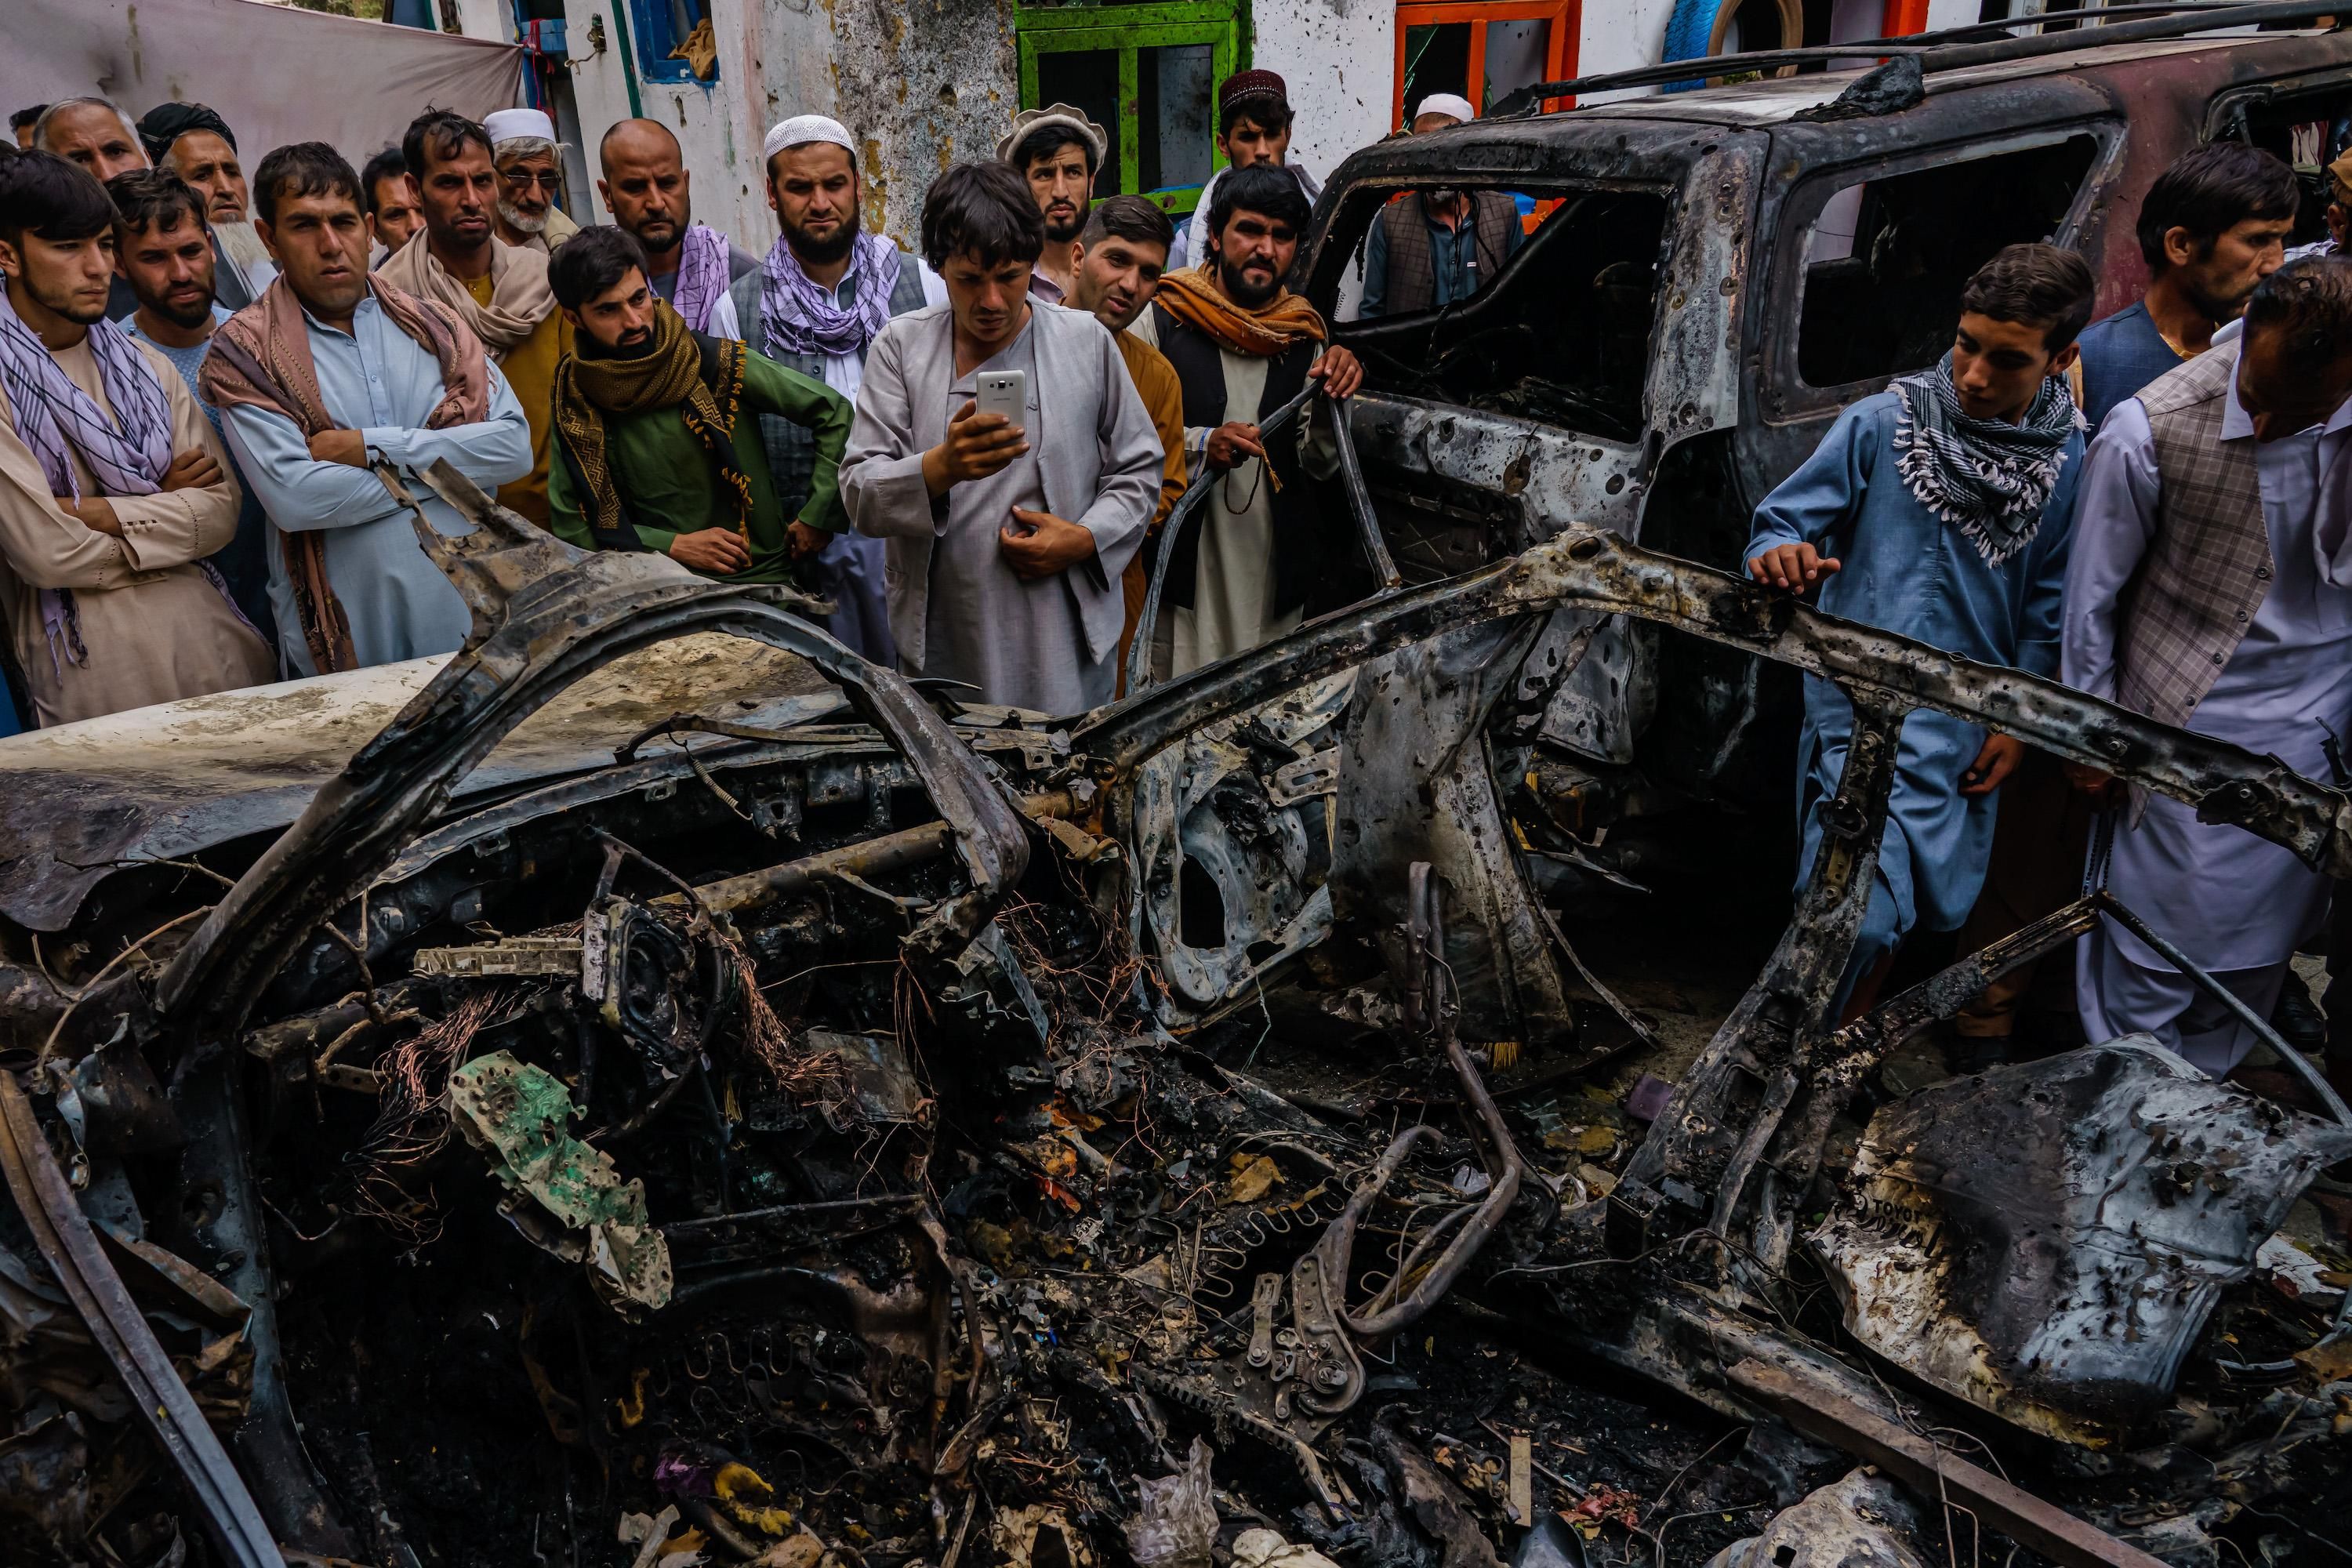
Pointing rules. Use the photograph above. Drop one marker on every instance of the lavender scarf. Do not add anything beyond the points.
(128, 454)
(804, 317)
(701, 275)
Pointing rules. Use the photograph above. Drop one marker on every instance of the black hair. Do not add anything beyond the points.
(2036, 285)
(388, 165)
(2311, 300)
(592, 261)
(153, 198)
(53, 197)
(441, 132)
(1267, 189)
(1267, 110)
(1048, 139)
(303, 169)
(2211, 190)
(24, 117)
(1137, 218)
(984, 211)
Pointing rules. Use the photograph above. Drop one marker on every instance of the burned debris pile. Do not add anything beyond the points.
(877, 1131)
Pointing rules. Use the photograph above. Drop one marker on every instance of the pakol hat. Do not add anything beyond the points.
(1068, 114)
(2339, 179)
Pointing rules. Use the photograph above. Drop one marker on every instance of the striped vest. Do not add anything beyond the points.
(1412, 258)
(2209, 568)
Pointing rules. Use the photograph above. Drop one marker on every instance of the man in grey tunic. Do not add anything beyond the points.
(1005, 541)
(2210, 586)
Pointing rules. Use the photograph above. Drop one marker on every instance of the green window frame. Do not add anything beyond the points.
(1125, 30)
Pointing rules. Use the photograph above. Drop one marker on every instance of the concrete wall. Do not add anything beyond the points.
(1338, 59)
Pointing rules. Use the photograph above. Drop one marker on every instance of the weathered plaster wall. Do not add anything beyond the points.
(1338, 59)
(922, 84)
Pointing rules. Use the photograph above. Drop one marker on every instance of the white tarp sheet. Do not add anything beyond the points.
(276, 74)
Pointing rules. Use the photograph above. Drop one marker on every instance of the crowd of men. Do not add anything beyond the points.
(965, 448)
(2153, 510)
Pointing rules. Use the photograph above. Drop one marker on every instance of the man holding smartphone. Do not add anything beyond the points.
(1006, 537)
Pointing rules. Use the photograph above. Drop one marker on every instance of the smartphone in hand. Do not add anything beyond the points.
(1004, 392)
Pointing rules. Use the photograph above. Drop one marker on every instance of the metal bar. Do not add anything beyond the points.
(872, 857)
(1936, 1475)
(2312, 1077)
(1360, 502)
(120, 1333)
(1953, 49)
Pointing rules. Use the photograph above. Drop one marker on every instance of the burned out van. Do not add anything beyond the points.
(1712, 275)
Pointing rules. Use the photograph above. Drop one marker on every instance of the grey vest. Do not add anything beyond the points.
(1412, 261)
(792, 449)
(2208, 567)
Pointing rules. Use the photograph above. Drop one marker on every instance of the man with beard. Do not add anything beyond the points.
(332, 368)
(1429, 249)
(2210, 228)
(2214, 225)
(393, 216)
(112, 492)
(162, 251)
(814, 306)
(1121, 254)
(1057, 150)
(528, 160)
(690, 265)
(1244, 345)
(1253, 125)
(195, 143)
(1007, 540)
(499, 291)
(656, 448)
(2211, 588)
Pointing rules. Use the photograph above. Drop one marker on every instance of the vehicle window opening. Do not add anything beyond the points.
(1885, 259)
(1201, 907)
(1561, 335)
(2309, 131)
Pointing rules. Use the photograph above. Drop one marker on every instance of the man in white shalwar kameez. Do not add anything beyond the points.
(2211, 587)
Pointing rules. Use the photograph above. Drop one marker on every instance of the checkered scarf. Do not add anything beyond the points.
(701, 275)
(1987, 478)
(128, 454)
(803, 317)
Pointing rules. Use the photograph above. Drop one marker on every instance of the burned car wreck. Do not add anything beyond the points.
(677, 1093)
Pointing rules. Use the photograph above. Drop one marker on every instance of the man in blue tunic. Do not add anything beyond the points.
(1940, 509)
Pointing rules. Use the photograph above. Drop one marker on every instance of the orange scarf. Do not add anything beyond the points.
(1192, 297)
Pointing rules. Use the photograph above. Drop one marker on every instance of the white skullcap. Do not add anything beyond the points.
(1451, 103)
(519, 125)
(802, 129)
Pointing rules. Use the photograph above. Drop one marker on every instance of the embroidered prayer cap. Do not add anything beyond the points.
(519, 125)
(1251, 84)
(1451, 103)
(1068, 114)
(167, 122)
(802, 129)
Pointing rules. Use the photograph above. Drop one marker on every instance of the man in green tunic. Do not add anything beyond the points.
(655, 444)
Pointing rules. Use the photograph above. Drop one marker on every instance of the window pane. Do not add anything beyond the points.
(1436, 59)
(1175, 121)
(1517, 56)
(1088, 79)
(682, 18)
(1886, 261)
